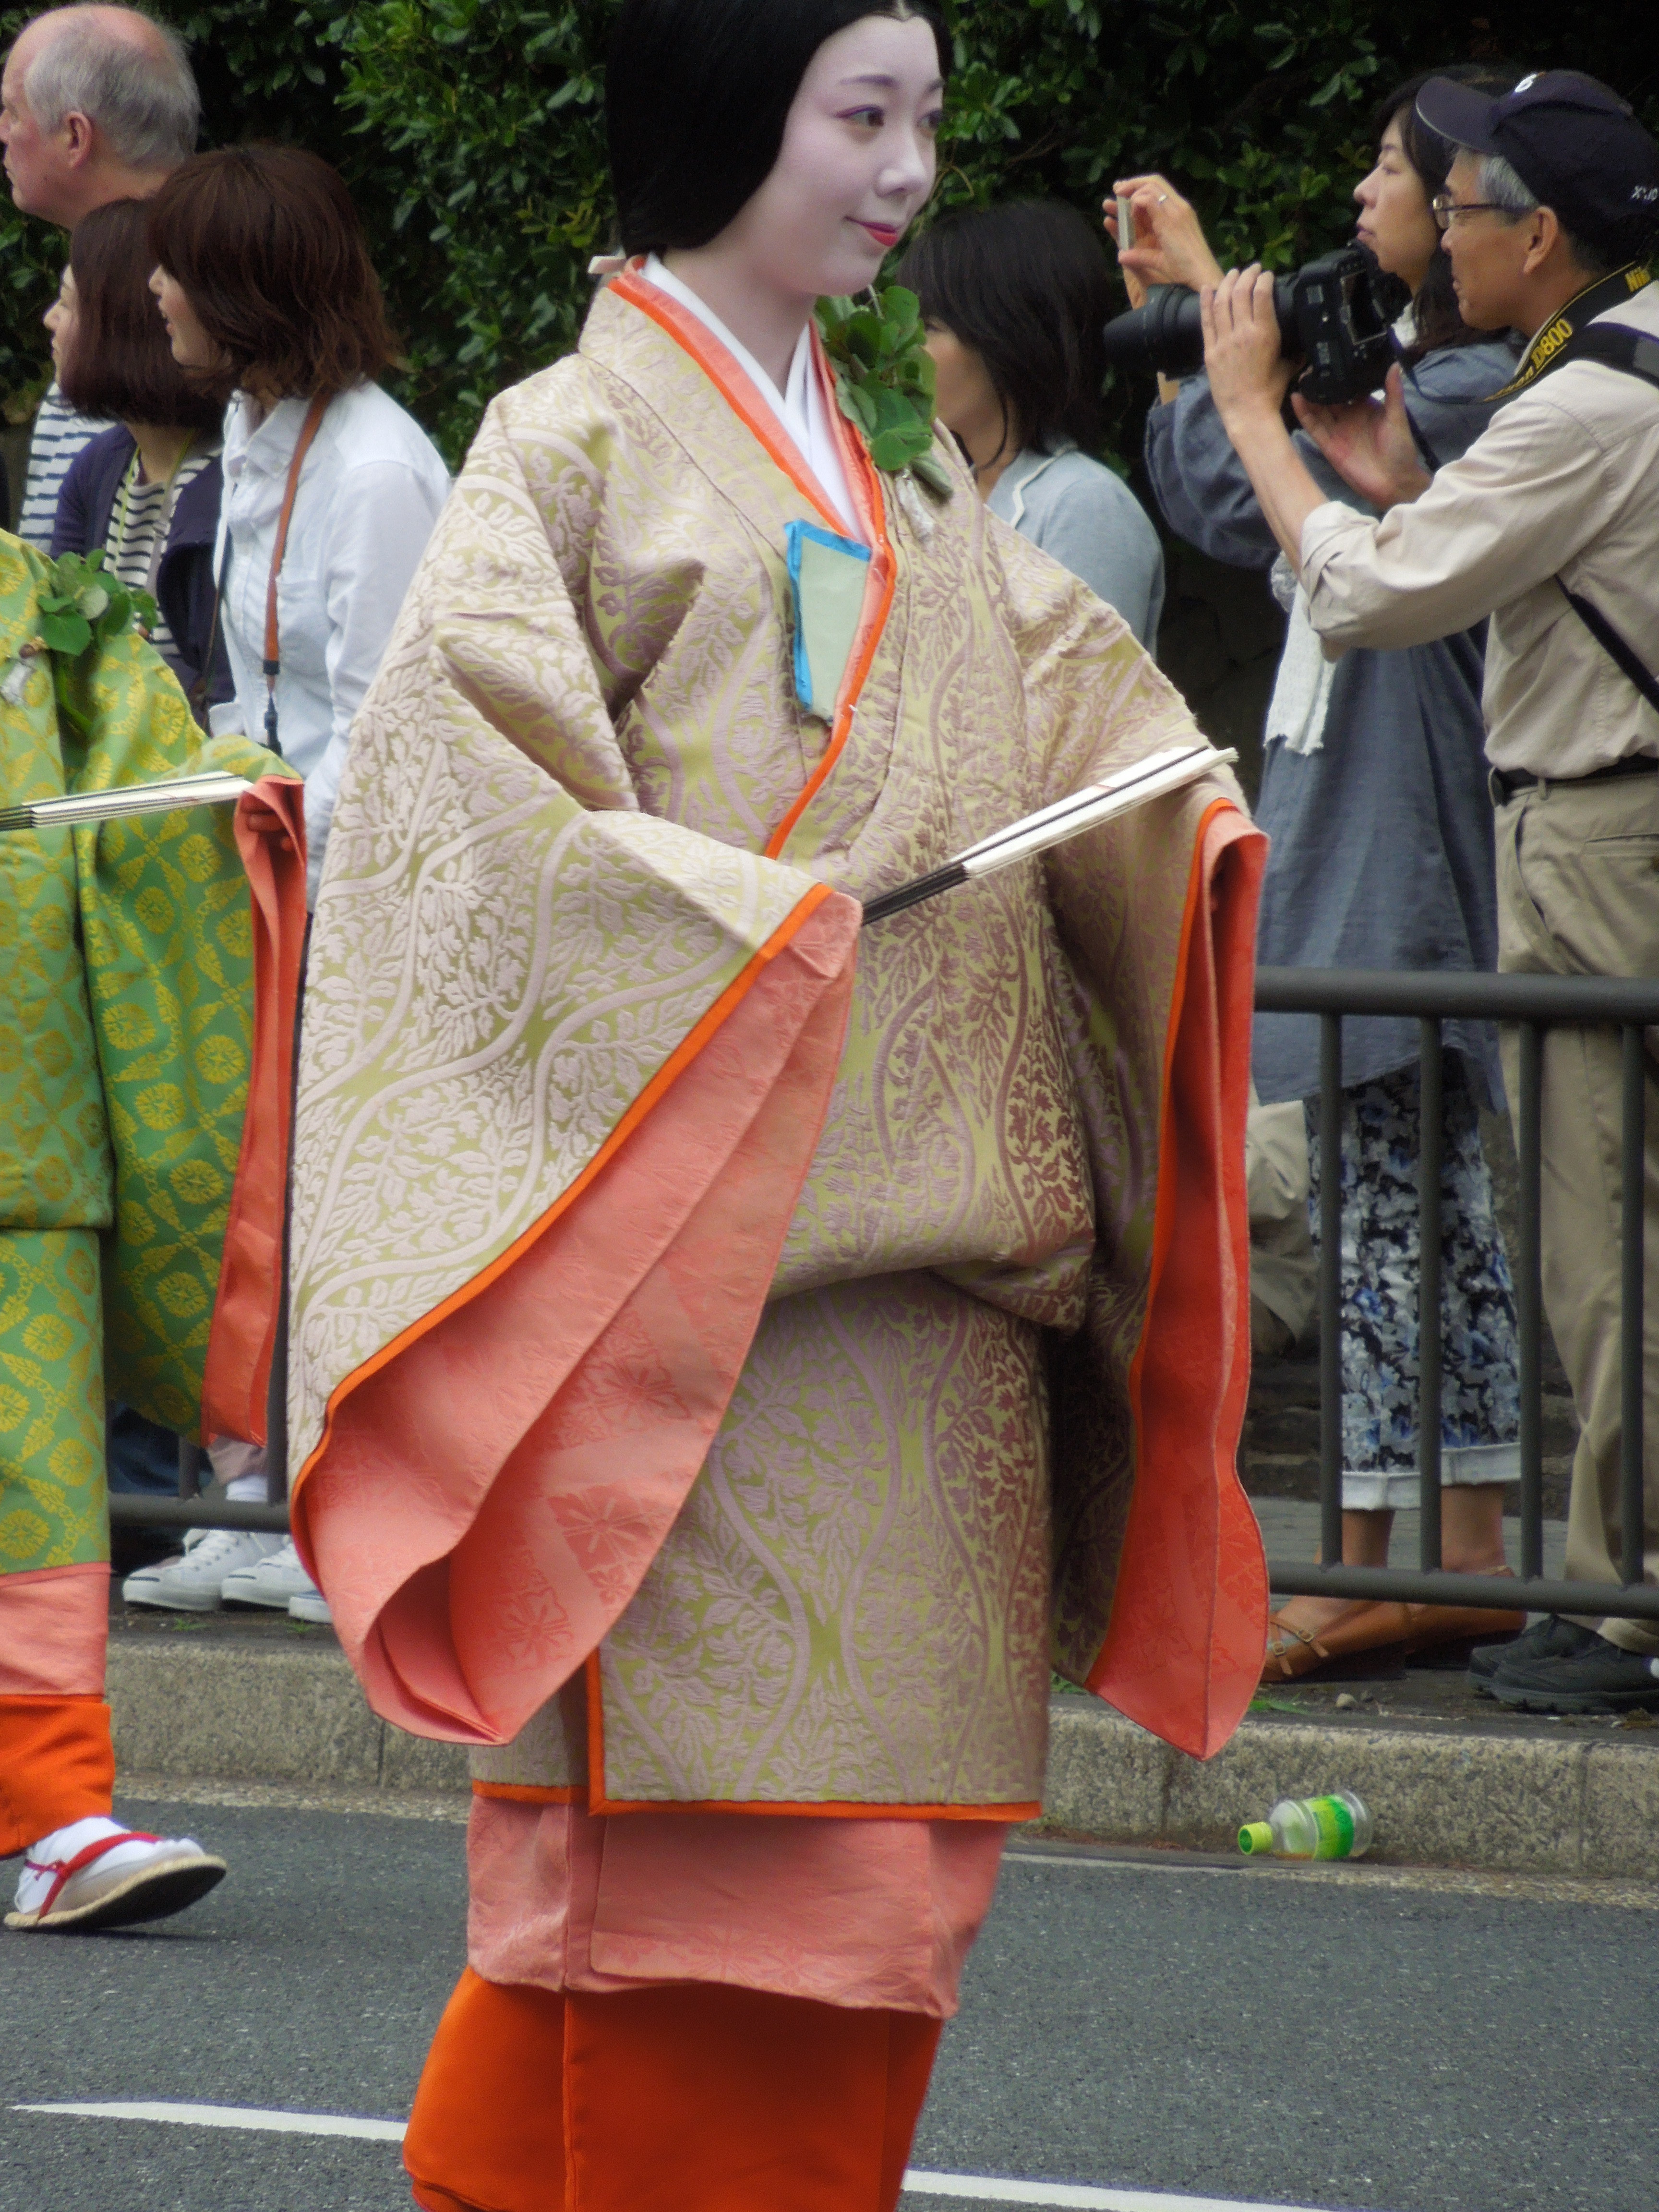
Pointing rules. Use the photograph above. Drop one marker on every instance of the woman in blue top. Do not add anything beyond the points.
(1014, 299)
(1374, 793)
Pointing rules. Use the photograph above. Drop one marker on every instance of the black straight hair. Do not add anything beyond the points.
(1027, 285)
(697, 92)
(1436, 318)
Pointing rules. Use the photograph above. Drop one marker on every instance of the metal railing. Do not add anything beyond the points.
(1535, 1003)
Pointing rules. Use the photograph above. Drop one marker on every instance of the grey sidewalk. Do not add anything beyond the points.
(1453, 1780)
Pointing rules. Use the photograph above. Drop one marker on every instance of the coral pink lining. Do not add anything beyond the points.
(270, 835)
(54, 1628)
(1182, 1653)
(484, 1505)
(874, 1911)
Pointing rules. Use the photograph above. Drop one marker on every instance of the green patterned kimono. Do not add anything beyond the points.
(126, 1012)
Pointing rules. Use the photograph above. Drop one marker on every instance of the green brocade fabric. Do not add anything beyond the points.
(126, 1014)
(51, 1401)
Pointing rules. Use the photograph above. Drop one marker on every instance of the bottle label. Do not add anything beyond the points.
(1334, 1824)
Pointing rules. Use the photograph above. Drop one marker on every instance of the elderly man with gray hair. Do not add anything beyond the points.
(97, 103)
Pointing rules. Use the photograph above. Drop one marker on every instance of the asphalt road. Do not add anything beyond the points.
(1230, 2035)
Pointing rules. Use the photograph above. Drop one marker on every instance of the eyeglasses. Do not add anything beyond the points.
(1447, 211)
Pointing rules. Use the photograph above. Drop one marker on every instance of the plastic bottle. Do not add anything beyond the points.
(1335, 1827)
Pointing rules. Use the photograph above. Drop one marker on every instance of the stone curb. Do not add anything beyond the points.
(1504, 1804)
(1523, 1804)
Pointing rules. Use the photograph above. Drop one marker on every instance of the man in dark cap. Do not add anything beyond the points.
(1549, 524)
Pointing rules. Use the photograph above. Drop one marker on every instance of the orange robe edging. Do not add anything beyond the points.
(729, 380)
(1190, 1374)
(270, 835)
(484, 1574)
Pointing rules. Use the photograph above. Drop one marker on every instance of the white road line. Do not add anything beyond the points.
(989, 2189)
(972, 2188)
(235, 2116)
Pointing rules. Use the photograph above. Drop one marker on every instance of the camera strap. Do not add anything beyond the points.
(1561, 338)
(1615, 345)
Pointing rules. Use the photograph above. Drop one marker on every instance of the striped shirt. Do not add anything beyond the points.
(58, 437)
(138, 528)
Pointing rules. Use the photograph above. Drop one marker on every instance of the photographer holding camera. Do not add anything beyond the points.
(1549, 524)
(1374, 793)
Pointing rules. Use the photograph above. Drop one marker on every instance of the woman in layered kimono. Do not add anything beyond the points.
(148, 971)
(733, 1356)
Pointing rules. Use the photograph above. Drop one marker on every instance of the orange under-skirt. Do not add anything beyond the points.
(691, 2097)
(57, 1766)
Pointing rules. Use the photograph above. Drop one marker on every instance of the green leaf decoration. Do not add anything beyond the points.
(884, 379)
(70, 633)
(84, 600)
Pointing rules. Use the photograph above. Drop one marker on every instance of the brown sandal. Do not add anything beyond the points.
(1366, 1625)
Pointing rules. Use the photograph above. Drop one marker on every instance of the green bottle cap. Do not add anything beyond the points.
(1256, 1835)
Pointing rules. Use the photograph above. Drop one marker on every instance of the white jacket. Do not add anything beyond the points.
(370, 488)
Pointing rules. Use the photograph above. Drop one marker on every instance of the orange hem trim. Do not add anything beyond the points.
(830, 1809)
(1164, 1214)
(531, 1793)
(661, 1082)
(737, 389)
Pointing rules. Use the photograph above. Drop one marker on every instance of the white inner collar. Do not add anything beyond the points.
(799, 407)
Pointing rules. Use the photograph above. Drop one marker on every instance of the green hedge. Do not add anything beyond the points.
(471, 132)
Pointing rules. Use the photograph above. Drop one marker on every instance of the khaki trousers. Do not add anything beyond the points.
(1579, 895)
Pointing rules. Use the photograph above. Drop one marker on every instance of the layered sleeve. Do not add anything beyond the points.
(563, 1069)
(1160, 1590)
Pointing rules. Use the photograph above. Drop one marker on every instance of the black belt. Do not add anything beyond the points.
(1504, 783)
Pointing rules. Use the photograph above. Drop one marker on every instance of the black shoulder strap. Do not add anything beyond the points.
(1615, 345)
(1607, 637)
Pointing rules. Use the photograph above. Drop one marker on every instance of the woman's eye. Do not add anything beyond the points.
(871, 118)
(932, 121)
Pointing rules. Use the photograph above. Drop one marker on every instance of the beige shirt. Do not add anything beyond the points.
(1566, 481)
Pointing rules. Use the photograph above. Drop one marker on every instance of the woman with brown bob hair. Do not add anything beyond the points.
(148, 490)
(270, 300)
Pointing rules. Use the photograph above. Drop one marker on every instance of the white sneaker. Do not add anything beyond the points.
(143, 1586)
(96, 1874)
(192, 1583)
(311, 1606)
(270, 1580)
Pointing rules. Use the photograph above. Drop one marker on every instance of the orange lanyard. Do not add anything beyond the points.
(272, 663)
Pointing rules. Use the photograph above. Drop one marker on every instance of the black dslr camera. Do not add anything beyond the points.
(1336, 315)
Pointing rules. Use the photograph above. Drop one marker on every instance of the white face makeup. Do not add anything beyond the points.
(856, 164)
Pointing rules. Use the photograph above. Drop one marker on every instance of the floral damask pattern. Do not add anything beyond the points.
(545, 861)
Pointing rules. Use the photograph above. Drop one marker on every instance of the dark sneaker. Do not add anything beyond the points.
(1604, 1681)
(1551, 1638)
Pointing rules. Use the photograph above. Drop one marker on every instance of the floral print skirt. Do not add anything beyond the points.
(1479, 1366)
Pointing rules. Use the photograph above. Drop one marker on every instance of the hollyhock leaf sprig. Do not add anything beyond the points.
(82, 603)
(884, 379)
